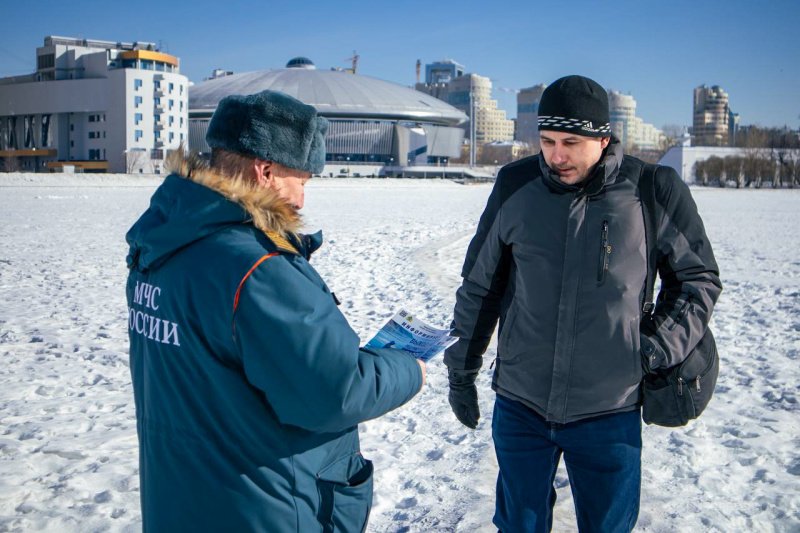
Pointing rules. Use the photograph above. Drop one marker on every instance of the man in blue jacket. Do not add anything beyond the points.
(249, 383)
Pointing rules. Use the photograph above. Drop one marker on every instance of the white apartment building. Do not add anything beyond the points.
(490, 122)
(622, 109)
(97, 106)
(528, 114)
(631, 130)
(711, 114)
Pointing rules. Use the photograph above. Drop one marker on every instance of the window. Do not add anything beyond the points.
(91, 118)
(157, 118)
(157, 135)
(181, 89)
(137, 84)
(171, 87)
(46, 61)
(157, 84)
(104, 134)
(72, 127)
(171, 136)
(171, 120)
(171, 103)
(181, 137)
(137, 134)
(157, 101)
(181, 122)
(181, 106)
(72, 144)
(137, 100)
(138, 118)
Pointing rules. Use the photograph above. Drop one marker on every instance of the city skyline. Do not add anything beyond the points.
(657, 54)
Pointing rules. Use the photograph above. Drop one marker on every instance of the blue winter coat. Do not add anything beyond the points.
(249, 383)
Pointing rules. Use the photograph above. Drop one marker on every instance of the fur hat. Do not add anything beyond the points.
(270, 126)
(575, 104)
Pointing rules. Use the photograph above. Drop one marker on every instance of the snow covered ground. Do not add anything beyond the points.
(68, 449)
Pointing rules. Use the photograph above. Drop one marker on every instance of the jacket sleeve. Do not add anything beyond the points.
(485, 276)
(690, 284)
(297, 347)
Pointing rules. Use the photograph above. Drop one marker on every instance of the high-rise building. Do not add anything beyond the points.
(711, 114)
(622, 110)
(95, 106)
(490, 122)
(471, 94)
(443, 71)
(528, 114)
(632, 131)
(733, 127)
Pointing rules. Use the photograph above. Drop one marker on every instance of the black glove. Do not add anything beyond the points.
(647, 353)
(463, 397)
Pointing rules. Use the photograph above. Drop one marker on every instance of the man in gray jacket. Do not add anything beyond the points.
(559, 258)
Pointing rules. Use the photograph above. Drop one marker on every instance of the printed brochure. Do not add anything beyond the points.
(406, 332)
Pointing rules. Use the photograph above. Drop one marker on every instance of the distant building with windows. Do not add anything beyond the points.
(491, 123)
(443, 71)
(95, 106)
(528, 114)
(733, 127)
(471, 94)
(711, 115)
(375, 126)
(632, 131)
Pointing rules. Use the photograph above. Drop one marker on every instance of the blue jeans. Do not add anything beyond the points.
(603, 459)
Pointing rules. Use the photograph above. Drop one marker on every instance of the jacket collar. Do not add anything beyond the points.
(267, 211)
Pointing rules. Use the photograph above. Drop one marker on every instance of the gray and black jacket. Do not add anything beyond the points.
(563, 269)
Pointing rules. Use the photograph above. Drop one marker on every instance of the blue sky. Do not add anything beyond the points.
(657, 51)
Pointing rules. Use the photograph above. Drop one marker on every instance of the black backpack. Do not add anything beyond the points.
(672, 396)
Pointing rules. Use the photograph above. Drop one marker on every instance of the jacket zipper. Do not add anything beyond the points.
(682, 312)
(605, 255)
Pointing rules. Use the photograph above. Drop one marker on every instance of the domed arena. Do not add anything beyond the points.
(374, 124)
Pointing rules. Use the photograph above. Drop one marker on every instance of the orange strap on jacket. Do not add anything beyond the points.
(241, 284)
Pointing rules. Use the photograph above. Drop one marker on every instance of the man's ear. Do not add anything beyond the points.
(261, 171)
(604, 142)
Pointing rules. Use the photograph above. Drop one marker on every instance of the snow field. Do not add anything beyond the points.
(68, 447)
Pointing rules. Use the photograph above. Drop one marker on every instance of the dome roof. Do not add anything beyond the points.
(334, 94)
(300, 62)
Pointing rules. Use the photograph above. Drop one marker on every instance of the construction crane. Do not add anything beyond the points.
(354, 59)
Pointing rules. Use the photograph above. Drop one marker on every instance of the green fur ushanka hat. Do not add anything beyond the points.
(270, 126)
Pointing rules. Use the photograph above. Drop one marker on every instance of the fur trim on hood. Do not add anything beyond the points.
(269, 212)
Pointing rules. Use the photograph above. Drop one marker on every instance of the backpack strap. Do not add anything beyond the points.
(647, 190)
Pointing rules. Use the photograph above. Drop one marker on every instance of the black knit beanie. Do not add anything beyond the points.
(575, 104)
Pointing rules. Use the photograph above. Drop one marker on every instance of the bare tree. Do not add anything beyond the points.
(733, 170)
(754, 143)
(135, 161)
(700, 172)
(789, 163)
(766, 171)
(715, 168)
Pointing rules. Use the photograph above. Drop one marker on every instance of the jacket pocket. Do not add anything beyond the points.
(345, 489)
(684, 309)
(504, 351)
(605, 255)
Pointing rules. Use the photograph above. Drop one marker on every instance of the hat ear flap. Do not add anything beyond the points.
(316, 155)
